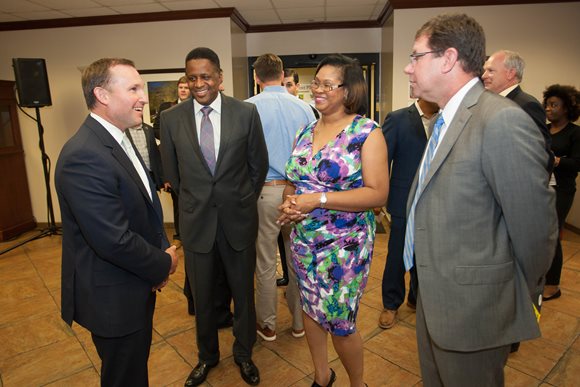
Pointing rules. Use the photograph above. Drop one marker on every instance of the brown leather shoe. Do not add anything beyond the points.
(388, 319)
(266, 333)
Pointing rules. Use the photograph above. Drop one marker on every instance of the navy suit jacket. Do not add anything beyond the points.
(406, 141)
(113, 238)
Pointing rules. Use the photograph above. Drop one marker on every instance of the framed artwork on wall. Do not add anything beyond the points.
(160, 87)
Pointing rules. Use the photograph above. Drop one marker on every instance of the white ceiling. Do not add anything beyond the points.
(255, 12)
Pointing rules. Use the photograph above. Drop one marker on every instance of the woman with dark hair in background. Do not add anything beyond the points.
(561, 104)
(338, 170)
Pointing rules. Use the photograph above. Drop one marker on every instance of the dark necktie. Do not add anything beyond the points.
(207, 139)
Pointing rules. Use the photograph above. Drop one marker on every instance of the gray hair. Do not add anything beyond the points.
(513, 60)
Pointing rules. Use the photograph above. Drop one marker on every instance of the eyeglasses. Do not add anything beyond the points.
(414, 58)
(552, 105)
(326, 87)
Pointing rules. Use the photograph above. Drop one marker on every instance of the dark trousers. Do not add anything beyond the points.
(564, 200)
(202, 270)
(175, 200)
(124, 359)
(282, 250)
(441, 367)
(393, 286)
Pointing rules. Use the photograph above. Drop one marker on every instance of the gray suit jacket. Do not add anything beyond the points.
(485, 227)
(228, 198)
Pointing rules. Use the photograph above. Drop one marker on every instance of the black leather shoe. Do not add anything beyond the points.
(514, 347)
(249, 372)
(282, 282)
(190, 307)
(199, 374)
(553, 296)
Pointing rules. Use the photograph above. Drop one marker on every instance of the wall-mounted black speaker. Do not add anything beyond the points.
(31, 82)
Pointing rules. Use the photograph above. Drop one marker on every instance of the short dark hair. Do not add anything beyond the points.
(569, 96)
(204, 53)
(293, 74)
(97, 74)
(353, 81)
(457, 31)
(268, 67)
(182, 79)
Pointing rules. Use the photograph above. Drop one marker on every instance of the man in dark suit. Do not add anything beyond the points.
(215, 157)
(405, 131)
(503, 73)
(472, 227)
(115, 254)
(143, 140)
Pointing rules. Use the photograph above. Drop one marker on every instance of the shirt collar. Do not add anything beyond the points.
(450, 109)
(508, 90)
(277, 89)
(215, 105)
(117, 133)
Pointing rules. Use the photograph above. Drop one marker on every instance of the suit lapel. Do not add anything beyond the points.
(226, 130)
(192, 132)
(119, 154)
(454, 130)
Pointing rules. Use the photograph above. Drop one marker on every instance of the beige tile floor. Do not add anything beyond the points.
(38, 349)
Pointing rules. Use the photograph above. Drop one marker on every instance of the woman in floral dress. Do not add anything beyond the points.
(338, 171)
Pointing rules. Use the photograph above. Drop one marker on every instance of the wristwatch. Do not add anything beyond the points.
(323, 200)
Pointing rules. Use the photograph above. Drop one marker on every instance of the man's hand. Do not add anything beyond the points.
(172, 251)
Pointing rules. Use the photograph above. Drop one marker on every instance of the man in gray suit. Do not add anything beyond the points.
(481, 220)
(215, 157)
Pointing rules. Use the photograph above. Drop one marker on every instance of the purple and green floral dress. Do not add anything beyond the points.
(331, 249)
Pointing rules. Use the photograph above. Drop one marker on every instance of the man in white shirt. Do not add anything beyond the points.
(472, 232)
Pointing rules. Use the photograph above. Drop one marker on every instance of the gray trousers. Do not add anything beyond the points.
(441, 367)
(266, 246)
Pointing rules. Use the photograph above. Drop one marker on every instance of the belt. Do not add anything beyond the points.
(276, 182)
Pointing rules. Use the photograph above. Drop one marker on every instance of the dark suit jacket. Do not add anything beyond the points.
(406, 140)
(228, 198)
(154, 155)
(157, 122)
(535, 110)
(113, 238)
(485, 227)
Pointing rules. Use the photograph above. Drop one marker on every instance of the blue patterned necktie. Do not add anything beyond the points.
(206, 139)
(410, 230)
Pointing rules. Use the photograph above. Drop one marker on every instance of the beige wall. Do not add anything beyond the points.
(358, 40)
(240, 63)
(156, 45)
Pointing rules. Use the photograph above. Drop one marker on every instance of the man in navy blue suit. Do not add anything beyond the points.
(405, 131)
(115, 253)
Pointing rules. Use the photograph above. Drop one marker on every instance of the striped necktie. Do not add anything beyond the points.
(206, 138)
(410, 230)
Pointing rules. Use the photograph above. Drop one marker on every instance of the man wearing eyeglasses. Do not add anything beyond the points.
(472, 230)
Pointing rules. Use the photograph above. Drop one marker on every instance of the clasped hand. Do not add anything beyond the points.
(296, 208)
